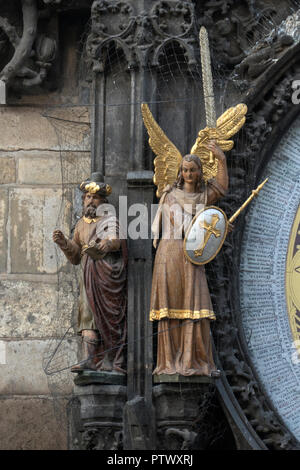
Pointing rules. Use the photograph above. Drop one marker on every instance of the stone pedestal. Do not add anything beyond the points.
(177, 408)
(101, 416)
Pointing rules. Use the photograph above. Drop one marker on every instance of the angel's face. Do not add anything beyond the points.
(190, 172)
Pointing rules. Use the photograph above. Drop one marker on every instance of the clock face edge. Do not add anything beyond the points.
(268, 283)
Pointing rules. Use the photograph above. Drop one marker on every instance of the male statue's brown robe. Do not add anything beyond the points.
(102, 302)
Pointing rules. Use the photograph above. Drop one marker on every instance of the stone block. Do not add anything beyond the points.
(54, 167)
(26, 128)
(34, 214)
(3, 221)
(76, 166)
(8, 170)
(36, 170)
(31, 424)
(23, 373)
(60, 128)
(104, 402)
(35, 309)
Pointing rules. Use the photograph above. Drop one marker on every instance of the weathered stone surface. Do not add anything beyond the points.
(2, 352)
(34, 309)
(28, 129)
(33, 170)
(101, 401)
(35, 213)
(54, 167)
(177, 378)
(76, 166)
(3, 236)
(88, 377)
(8, 170)
(23, 373)
(25, 128)
(31, 424)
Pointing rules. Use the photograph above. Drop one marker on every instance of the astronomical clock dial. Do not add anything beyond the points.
(270, 281)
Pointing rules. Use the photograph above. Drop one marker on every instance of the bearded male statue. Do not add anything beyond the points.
(97, 247)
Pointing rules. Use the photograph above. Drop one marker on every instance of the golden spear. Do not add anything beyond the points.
(253, 195)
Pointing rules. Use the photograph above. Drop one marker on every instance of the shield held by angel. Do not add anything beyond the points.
(180, 298)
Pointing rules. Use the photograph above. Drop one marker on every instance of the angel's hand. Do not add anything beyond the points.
(230, 227)
(216, 150)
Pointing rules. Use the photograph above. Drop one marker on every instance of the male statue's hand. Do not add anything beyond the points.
(59, 239)
(104, 246)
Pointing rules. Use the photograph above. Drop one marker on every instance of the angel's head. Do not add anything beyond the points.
(191, 171)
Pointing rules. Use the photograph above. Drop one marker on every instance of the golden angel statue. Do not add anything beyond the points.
(180, 298)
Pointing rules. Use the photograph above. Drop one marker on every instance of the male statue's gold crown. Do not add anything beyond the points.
(93, 188)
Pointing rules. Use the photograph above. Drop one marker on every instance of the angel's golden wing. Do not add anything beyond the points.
(228, 124)
(168, 157)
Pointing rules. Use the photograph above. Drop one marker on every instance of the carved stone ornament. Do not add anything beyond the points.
(97, 438)
(174, 19)
(270, 113)
(246, 36)
(177, 408)
(141, 36)
(101, 409)
(34, 51)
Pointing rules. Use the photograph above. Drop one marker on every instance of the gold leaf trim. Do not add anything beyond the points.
(181, 314)
(168, 157)
(228, 124)
(92, 187)
(89, 221)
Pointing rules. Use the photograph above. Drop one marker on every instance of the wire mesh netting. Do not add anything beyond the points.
(176, 90)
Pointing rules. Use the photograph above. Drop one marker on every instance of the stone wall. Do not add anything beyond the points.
(37, 184)
(43, 156)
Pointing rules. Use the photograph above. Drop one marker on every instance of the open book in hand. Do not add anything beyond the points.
(93, 251)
